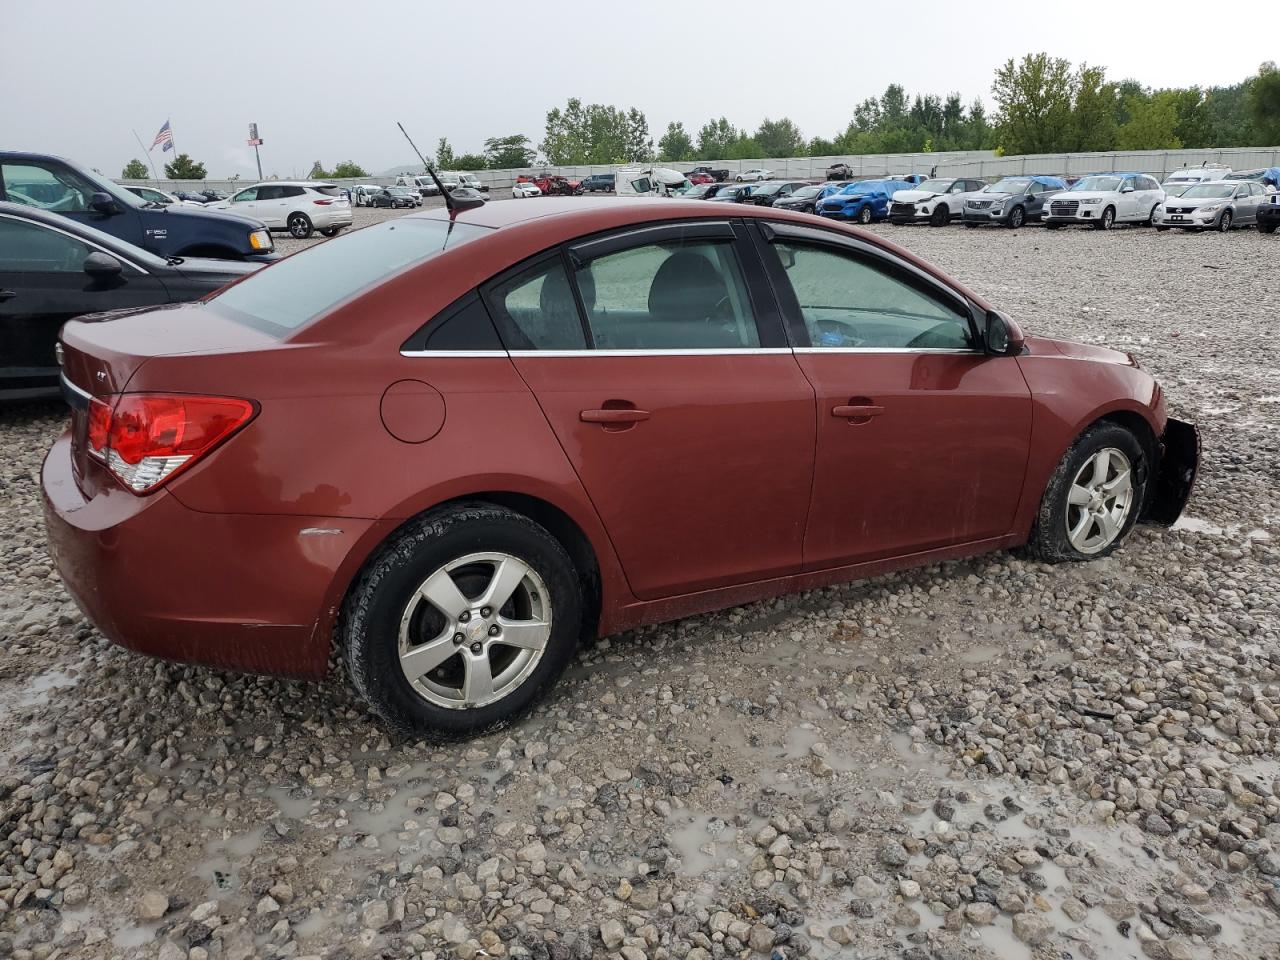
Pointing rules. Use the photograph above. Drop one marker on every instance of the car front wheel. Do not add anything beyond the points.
(1106, 220)
(1224, 222)
(864, 216)
(1017, 217)
(1094, 497)
(461, 622)
(299, 226)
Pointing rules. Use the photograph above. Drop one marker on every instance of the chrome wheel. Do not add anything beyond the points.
(474, 630)
(1099, 501)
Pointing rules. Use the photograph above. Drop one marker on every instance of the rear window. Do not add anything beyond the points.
(329, 191)
(290, 293)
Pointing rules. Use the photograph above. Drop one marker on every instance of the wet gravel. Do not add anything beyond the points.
(990, 758)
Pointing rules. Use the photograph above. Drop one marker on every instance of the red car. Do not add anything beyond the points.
(700, 178)
(455, 446)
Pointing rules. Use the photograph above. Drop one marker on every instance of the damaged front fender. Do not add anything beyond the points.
(1175, 475)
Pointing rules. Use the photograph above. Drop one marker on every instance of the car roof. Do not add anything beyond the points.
(293, 183)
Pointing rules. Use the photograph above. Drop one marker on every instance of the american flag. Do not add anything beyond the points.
(165, 136)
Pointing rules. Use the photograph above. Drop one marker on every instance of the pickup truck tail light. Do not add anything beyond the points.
(146, 439)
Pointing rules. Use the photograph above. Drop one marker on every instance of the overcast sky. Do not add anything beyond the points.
(330, 86)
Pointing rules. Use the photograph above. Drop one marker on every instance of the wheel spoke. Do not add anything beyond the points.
(507, 576)
(1121, 484)
(443, 594)
(478, 683)
(1078, 495)
(1079, 533)
(424, 659)
(525, 634)
(1109, 526)
(1101, 465)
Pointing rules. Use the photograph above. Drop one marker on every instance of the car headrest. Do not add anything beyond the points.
(686, 287)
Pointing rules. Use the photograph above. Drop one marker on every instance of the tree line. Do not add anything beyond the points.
(1042, 104)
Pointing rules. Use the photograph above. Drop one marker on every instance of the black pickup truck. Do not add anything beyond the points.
(719, 176)
(60, 186)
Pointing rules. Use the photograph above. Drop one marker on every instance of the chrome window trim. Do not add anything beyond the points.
(453, 353)
(67, 233)
(690, 352)
(964, 350)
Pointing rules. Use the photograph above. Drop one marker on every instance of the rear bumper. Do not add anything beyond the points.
(245, 592)
(1176, 474)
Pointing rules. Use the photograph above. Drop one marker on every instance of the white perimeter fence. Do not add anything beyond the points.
(983, 164)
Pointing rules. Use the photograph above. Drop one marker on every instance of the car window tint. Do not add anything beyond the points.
(670, 296)
(535, 309)
(847, 301)
(27, 248)
(244, 195)
(287, 294)
(270, 193)
(328, 191)
(48, 188)
(292, 191)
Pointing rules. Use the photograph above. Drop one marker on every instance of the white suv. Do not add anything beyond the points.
(1105, 199)
(298, 206)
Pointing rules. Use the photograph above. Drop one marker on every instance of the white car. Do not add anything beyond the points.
(755, 173)
(425, 186)
(1105, 199)
(472, 181)
(152, 195)
(298, 206)
(526, 189)
(1213, 205)
(934, 201)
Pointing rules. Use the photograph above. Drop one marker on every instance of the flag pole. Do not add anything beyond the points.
(147, 152)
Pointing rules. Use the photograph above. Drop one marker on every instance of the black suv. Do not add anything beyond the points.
(60, 186)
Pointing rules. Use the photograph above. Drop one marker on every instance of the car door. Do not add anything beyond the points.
(659, 360)
(1246, 204)
(270, 205)
(245, 203)
(1036, 195)
(922, 438)
(43, 284)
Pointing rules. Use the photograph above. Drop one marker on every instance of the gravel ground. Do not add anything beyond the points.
(990, 758)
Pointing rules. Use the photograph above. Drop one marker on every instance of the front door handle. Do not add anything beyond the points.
(614, 415)
(858, 410)
(7, 295)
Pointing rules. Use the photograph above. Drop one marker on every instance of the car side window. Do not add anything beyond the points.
(291, 191)
(270, 193)
(29, 248)
(684, 295)
(47, 187)
(245, 195)
(851, 301)
(535, 309)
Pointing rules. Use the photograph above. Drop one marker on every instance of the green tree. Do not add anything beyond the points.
(135, 170)
(1152, 124)
(744, 148)
(780, 138)
(675, 145)
(639, 144)
(595, 133)
(470, 161)
(714, 139)
(1093, 115)
(182, 167)
(1264, 103)
(349, 170)
(445, 159)
(893, 105)
(505, 153)
(822, 147)
(1034, 98)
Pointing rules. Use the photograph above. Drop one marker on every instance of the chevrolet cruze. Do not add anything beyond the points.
(452, 445)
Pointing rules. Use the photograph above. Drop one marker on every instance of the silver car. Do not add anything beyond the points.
(1214, 205)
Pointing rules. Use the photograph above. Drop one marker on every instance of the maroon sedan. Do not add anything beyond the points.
(455, 446)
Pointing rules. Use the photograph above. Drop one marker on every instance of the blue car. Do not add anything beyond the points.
(863, 200)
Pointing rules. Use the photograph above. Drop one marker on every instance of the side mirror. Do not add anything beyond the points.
(103, 203)
(102, 266)
(1003, 337)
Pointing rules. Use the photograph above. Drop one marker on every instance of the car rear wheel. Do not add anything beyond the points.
(1107, 219)
(941, 216)
(1094, 497)
(1224, 222)
(299, 226)
(461, 622)
(1017, 217)
(864, 216)
(330, 231)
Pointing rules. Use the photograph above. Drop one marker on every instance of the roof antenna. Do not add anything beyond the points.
(462, 198)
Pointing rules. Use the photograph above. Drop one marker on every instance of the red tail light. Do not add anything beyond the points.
(322, 203)
(148, 438)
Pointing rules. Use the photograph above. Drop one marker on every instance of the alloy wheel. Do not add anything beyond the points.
(474, 630)
(1225, 223)
(1099, 501)
(1016, 217)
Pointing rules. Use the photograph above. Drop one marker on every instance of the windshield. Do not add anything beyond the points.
(936, 186)
(1008, 185)
(402, 191)
(804, 193)
(300, 288)
(1097, 183)
(1176, 188)
(1209, 191)
(1245, 175)
(766, 189)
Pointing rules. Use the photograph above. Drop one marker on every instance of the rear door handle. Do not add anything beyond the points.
(614, 415)
(849, 411)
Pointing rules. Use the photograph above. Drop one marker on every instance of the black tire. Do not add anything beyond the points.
(1017, 217)
(864, 216)
(1267, 227)
(330, 231)
(1049, 541)
(369, 630)
(1151, 217)
(1107, 220)
(941, 216)
(299, 226)
(1224, 221)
